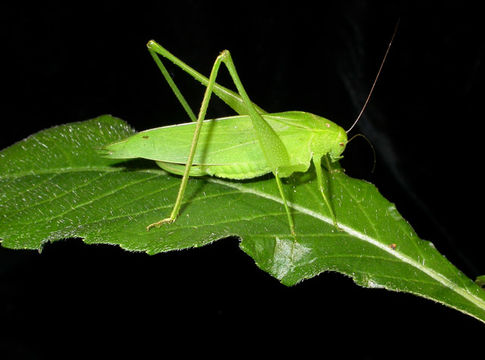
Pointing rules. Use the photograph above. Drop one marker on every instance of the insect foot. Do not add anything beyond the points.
(160, 223)
(338, 228)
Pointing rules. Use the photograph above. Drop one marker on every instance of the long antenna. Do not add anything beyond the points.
(377, 77)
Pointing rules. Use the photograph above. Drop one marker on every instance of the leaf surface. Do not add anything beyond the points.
(55, 186)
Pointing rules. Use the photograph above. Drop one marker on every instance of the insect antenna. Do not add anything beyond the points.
(371, 146)
(377, 77)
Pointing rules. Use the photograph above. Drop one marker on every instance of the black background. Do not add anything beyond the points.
(65, 63)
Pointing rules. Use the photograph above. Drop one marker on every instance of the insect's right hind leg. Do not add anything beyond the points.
(272, 146)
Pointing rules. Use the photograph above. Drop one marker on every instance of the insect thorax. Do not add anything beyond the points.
(329, 139)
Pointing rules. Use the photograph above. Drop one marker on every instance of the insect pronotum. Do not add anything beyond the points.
(245, 146)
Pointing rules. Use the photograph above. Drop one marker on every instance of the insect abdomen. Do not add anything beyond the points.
(238, 171)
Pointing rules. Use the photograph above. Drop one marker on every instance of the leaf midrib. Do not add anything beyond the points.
(438, 277)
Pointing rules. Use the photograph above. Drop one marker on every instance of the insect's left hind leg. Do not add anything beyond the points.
(321, 180)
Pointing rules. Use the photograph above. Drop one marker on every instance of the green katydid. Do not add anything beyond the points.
(251, 144)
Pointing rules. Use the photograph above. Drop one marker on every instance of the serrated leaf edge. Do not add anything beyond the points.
(440, 278)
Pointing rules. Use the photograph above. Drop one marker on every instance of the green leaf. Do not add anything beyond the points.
(54, 186)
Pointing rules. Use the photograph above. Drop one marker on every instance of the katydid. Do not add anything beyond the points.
(249, 145)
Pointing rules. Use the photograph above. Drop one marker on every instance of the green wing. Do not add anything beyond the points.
(227, 147)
